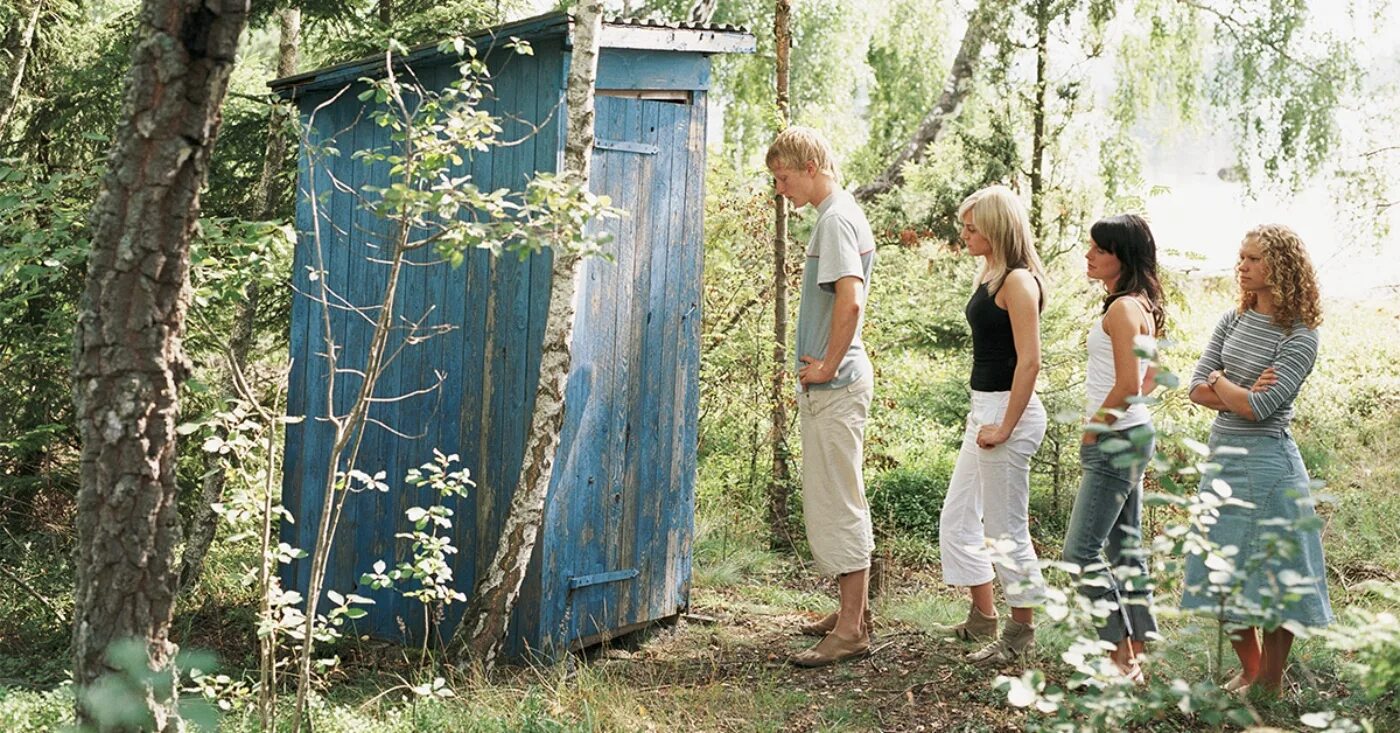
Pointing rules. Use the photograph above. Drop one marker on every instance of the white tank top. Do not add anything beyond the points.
(1099, 375)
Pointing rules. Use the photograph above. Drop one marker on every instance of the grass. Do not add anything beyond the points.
(724, 670)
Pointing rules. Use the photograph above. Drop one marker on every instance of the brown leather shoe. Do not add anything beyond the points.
(831, 650)
(827, 624)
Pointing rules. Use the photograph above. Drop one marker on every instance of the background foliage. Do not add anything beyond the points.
(1304, 106)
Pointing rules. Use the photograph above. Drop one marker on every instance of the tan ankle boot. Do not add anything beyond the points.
(976, 627)
(1016, 642)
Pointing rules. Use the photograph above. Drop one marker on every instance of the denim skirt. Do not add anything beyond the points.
(1277, 574)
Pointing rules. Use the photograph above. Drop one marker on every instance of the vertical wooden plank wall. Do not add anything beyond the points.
(680, 546)
(309, 442)
(622, 497)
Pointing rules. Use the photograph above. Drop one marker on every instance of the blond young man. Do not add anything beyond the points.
(836, 385)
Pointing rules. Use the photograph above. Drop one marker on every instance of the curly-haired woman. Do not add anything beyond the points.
(1251, 371)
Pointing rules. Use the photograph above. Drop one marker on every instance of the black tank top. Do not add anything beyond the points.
(993, 346)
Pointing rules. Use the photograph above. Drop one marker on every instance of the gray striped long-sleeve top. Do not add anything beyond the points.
(1244, 345)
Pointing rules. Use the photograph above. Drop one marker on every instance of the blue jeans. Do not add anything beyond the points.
(1105, 533)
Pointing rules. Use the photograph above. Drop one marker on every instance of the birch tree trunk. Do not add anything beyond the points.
(484, 625)
(702, 11)
(205, 523)
(954, 91)
(20, 61)
(780, 485)
(1042, 57)
(129, 362)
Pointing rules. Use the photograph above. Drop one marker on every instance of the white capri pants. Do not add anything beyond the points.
(988, 500)
(833, 488)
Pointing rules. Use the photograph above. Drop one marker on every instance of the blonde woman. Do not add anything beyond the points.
(989, 493)
(1250, 373)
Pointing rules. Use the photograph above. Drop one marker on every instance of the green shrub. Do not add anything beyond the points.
(906, 500)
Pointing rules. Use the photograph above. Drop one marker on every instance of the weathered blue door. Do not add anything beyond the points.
(637, 320)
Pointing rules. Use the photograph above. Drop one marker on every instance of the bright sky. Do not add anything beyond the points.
(1206, 216)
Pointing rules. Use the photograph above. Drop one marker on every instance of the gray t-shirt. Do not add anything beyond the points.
(841, 246)
(1244, 345)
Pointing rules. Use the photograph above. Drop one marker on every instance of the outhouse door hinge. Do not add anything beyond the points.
(626, 147)
(583, 581)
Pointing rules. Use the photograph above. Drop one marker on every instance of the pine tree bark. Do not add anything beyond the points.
(205, 523)
(18, 64)
(949, 102)
(780, 484)
(129, 361)
(485, 623)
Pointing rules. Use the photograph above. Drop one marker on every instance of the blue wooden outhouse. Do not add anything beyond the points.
(615, 550)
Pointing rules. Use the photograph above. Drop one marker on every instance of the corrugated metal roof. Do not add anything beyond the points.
(675, 25)
(625, 33)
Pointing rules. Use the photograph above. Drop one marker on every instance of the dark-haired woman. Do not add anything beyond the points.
(1252, 369)
(1105, 528)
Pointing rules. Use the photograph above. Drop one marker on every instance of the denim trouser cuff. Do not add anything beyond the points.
(1144, 625)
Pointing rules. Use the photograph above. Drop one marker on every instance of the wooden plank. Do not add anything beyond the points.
(649, 211)
(492, 493)
(532, 311)
(658, 506)
(615, 292)
(414, 369)
(351, 130)
(566, 513)
(635, 69)
(362, 284)
(477, 275)
(298, 436)
(529, 330)
(681, 546)
(319, 434)
(585, 528)
(628, 289)
(456, 425)
(481, 319)
(541, 603)
(516, 388)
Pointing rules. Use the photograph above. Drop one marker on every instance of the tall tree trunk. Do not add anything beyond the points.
(702, 11)
(19, 61)
(205, 523)
(780, 485)
(129, 361)
(484, 627)
(954, 91)
(386, 12)
(1042, 57)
